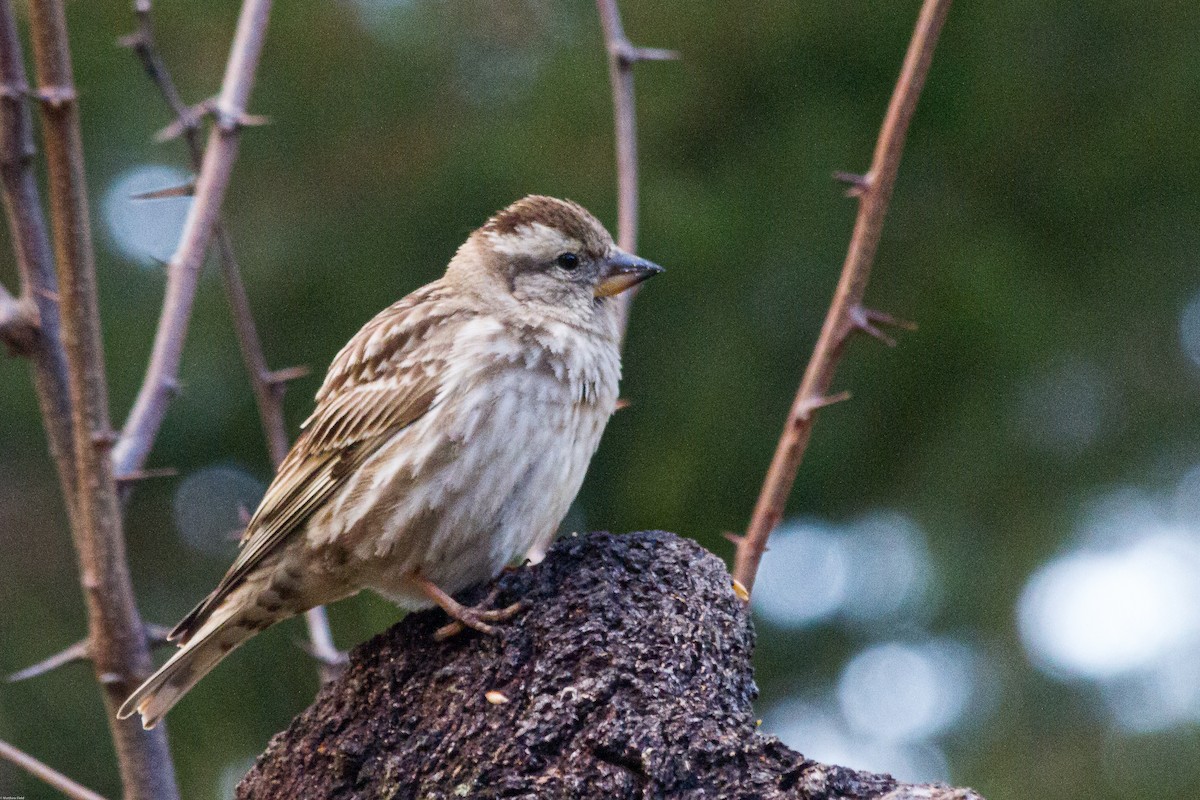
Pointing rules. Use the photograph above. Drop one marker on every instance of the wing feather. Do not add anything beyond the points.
(385, 379)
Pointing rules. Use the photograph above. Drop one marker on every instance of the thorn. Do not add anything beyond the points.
(736, 538)
(280, 377)
(254, 120)
(186, 190)
(46, 293)
(132, 41)
(108, 678)
(56, 96)
(628, 54)
(157, 635)
(631, 54)
(810, 404)
(14, 91)
(172, 386)
(146, 474)
(230, 121)
(176, 128)
(740, 590)
(622, 403)
(868, 321)
(856, 185)
(104, 439)
(187, 121)
(244, 517)
(76, 652)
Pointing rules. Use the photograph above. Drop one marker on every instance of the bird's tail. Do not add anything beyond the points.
(203, 651)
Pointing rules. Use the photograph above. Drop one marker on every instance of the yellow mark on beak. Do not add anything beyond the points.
(624, 271)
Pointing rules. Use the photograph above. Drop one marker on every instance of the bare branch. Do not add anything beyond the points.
(34, 256)
(846, 313)
(120, 655)
(46, 774)
(622, 55)
(268, 386)
(137, 437)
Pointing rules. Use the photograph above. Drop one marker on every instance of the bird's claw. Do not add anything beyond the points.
(477, 617)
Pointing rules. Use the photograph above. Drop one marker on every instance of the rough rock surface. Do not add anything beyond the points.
(627, 676)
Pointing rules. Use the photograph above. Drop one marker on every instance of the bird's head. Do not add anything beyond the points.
(550, 253)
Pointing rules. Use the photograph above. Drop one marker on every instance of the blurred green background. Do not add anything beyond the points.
(992, 575)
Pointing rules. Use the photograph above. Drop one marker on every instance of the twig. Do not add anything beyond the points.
(71, 655)
(622, 55)
(268, 386)
(34, 256)
(156, 635)
(158, 387)
(120, 655)
(846, 313)
(46, 774)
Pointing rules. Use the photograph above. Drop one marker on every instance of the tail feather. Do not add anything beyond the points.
(171, 682)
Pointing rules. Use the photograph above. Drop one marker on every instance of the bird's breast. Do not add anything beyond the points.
(495, 463)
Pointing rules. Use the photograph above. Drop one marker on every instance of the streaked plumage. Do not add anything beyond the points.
(449, 437)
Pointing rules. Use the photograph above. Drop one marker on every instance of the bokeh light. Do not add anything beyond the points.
(1120, 610)
(1189, 329)
(212, 507)
(818, 730)
(874, 569)
(908, 692)
(894, 700)
(1100, 614)
(1063, 408)
(809, 549)
(145, 231)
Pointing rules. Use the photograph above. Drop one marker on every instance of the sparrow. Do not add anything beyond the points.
(450, 435)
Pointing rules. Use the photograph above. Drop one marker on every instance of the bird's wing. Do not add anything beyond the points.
(383, 380)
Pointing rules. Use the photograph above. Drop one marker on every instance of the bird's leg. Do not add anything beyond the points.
(475, 617)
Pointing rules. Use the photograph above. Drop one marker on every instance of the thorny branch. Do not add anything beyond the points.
(46, 774)
(117, 638)
(846, 313)
(622, 55)
(162, 375)
(268, 386)
(33, 323)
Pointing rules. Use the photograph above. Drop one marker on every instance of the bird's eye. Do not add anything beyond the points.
(567, 261)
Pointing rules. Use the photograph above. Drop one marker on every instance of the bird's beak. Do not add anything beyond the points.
(622, 271)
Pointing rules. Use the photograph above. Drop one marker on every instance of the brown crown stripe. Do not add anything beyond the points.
(569, 218)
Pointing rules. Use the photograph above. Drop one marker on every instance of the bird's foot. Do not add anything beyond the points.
(478, 617)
